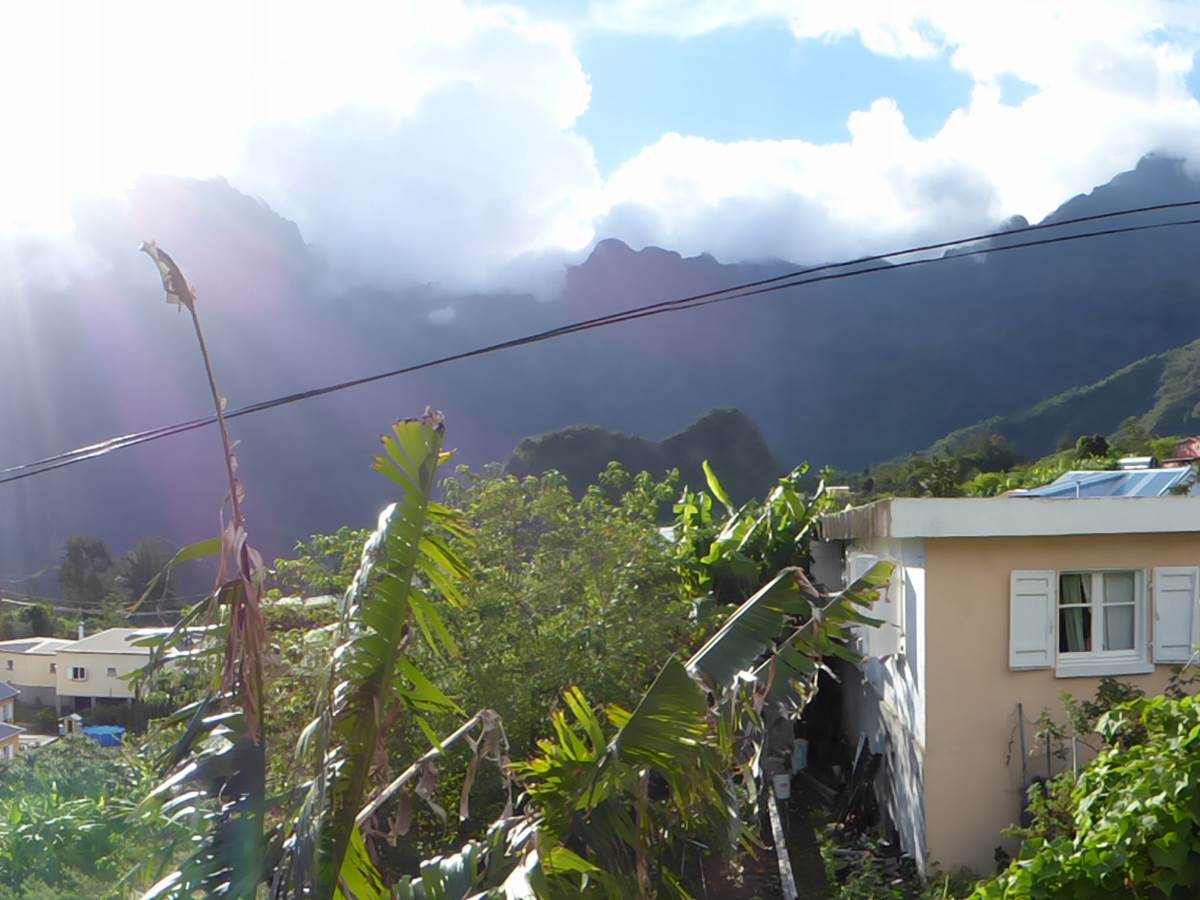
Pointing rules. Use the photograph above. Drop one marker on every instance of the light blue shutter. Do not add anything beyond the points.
(1175, 620)
(1031, 619)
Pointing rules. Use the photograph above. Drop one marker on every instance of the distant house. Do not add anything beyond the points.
(1186, 454)
(92, 669)
(29, 665)
(9, 732)
(998, 605)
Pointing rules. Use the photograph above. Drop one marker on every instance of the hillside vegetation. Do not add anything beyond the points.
(1162, 391)
(727, 438)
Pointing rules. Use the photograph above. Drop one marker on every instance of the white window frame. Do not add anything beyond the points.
(1094, 663)
(80, 669)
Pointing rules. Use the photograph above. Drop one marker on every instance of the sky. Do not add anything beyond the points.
(475, 144)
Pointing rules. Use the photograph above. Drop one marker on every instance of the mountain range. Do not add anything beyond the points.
(845, 372)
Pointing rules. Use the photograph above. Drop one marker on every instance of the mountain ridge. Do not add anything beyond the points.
(843, 373)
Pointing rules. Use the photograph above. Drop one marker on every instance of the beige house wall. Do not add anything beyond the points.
(98, 682)
(31, 669)
(972, 757)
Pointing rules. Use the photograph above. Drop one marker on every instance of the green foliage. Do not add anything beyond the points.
(1091, 445)
(37, 620)
(1085, 715)
(324, 564)
(1132, 438)
(371, 681)
(564, 592)
(69, 826)
(1044, 471)
(729, 557)
(1134, 825)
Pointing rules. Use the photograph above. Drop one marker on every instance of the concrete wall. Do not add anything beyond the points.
(36, 694)
(886, 699)
(28, 669)
(98, 683)
(972, 762)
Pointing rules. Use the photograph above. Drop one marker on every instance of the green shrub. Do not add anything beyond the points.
(1134, 815)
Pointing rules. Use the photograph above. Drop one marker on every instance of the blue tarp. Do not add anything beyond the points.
(105, 735)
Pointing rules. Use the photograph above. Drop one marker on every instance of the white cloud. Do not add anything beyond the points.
(424, 139)
(1110, 87)
(433, 141)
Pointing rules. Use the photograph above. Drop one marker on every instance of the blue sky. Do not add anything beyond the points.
(750, 82)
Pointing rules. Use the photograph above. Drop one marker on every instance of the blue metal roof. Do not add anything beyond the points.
(1132, 483)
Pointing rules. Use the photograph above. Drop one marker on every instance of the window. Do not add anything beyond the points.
(1101, 623)
(1097, 612)
(78, 673)
(1080, 622)
(53, 668)
(112, 672)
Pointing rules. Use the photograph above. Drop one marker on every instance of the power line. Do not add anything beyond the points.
(102, 447)
(797, 278)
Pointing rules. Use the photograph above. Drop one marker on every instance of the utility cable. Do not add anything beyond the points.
(798, 278)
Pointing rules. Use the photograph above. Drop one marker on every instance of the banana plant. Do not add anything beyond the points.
(372, 682)
(626, 815)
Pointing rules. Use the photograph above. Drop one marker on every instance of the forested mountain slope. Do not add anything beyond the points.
(1162, 390)
(844, 373)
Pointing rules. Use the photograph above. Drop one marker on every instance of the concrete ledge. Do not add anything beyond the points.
(935, 517)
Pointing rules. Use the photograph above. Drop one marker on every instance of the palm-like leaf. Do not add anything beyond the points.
(759, 627)
(371, 680)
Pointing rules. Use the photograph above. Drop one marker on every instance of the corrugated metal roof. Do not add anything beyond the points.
(1128, 483)
(36, 645)
(7, 690)
(7, 731)
(112, 640)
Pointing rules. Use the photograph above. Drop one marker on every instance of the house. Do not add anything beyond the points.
(996, 606)
(10, 733)
(93, 669)
(1186, 454)
(29, 665)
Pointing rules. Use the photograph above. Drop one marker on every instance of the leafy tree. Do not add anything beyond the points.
(1091, 445)
(86, 571)
(563, 592)
(41, 619)
(137, 571)
(323, 564)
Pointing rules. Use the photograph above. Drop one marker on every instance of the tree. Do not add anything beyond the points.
(1090, 446)
(86, 571)
(563, 592)
(40, 618)
(137, 571)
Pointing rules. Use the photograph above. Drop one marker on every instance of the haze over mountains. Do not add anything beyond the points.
(844, 373)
